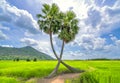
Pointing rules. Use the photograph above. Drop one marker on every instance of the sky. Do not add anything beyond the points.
(98, 37)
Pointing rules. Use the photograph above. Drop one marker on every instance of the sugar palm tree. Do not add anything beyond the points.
(65, 25)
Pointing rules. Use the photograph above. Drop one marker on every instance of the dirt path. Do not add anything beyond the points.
(60, 78)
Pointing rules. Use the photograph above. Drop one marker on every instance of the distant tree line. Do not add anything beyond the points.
(34, 59)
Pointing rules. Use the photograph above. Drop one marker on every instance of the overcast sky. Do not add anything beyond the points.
(99, 22)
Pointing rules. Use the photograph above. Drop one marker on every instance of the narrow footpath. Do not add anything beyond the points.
(60, 78)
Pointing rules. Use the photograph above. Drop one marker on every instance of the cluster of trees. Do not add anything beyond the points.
(17, 59)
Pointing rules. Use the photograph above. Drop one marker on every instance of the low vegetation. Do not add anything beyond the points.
(99, 72)
(96, 71)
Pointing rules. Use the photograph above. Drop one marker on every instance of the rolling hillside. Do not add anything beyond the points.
(22, 53)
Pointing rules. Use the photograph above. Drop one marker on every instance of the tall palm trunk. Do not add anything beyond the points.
(59, 59)
(58, 64)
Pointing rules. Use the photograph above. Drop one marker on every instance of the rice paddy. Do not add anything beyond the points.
(96, 71)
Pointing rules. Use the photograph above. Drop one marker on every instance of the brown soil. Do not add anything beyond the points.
(60, 78)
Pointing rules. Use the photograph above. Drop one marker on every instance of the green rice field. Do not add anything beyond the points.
(95, 71)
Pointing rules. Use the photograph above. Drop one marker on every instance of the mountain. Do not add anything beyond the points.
(22, 53)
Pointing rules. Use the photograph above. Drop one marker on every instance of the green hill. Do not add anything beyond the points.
(7, 53)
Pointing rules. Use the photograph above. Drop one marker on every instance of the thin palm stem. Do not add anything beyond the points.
(59, 59)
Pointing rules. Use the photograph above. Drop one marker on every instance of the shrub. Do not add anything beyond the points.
(17, 59)
(35, 59)
(28, 60)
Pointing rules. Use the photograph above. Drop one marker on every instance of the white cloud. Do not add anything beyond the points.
(2, 36)
(6, 45)
(18, 17)
(41, 45)
(4, 28)
(98, 21)
(28, 34)
(90, 42)
(117, 42)
(113, 50)
(29, 41)
(117, 4)
(113, 38)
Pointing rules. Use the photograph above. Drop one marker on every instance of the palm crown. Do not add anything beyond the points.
(48, 21)
(56, 22)
(69, 26)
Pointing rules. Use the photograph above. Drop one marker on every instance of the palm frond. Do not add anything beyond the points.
(39, 16)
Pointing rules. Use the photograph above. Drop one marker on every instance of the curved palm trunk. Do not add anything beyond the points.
(59, 60)
(53, 73)
(58, 64)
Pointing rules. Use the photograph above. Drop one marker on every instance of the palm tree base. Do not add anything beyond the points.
(54, 72)
(71, 69)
